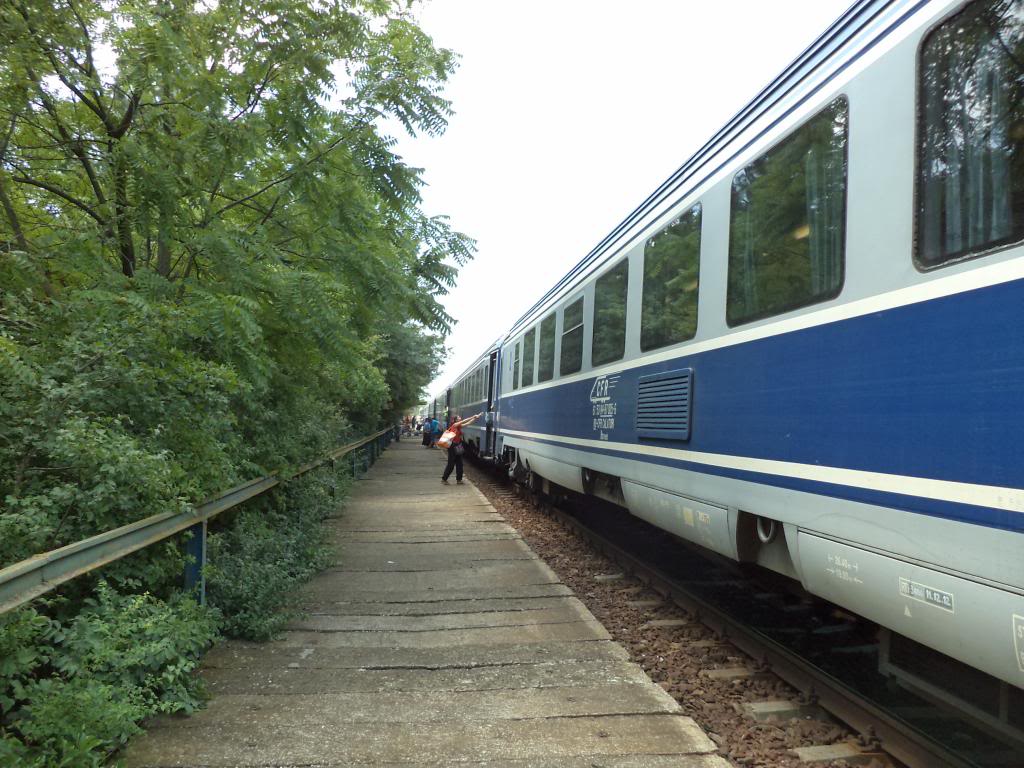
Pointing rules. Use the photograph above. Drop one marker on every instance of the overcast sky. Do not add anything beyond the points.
(568, 114)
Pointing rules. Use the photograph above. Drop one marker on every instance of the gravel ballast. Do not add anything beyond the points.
(675, 650)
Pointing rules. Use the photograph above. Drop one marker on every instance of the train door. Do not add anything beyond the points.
(447, 407)
(492, 397)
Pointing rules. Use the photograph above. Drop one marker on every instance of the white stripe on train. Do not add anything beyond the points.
(994, 496)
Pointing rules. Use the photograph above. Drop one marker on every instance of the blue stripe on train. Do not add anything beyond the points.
(934, 390)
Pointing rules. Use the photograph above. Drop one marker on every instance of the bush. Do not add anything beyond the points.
(69, 694)
(272, 547)
(73, 690)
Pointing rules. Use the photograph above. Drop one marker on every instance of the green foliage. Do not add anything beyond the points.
(75, 722)
(25, 637)
(141, 644)
(212, 266)
(271, 548)
(69, 693)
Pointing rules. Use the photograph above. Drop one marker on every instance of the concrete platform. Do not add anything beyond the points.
(436, 638)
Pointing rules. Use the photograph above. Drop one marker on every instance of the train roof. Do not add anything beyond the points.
(864, 24)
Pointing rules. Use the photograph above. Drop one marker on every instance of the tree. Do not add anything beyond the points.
(212, 259)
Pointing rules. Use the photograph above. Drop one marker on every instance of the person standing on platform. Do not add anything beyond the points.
(456, 449)
(425, 429)
(435, 432)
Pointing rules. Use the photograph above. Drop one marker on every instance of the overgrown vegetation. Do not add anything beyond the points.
(212, 266)
(271, 547)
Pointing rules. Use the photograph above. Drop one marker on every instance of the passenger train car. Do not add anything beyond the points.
(805, 350)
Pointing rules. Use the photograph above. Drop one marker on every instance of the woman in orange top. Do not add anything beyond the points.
(456, 449)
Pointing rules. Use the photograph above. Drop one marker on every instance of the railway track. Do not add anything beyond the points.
(787, 634)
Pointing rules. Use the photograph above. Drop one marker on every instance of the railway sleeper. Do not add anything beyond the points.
(844, 750)
(781, 709)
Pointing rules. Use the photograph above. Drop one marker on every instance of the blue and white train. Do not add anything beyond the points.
(805, 349)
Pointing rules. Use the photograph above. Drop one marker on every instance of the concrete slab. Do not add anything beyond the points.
(531, 633)
(435, 608)
(438, 639)
(842, 751)
(427, 557)
(668, 624)
(420, 537)
(586, 761)
(645, 604)
(474, 531)
(435, 562)
(780, 709)
(516, 573)
(419, 518)
(400, 550)
(569, 610)
(736, 673)
(328, 591)
(378, 707)
(284, 652)
(545, 738)
(299, 679)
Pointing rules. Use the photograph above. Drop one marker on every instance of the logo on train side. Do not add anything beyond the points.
(603, 407)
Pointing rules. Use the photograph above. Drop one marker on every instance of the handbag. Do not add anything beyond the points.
(459, 449)
(445, 440)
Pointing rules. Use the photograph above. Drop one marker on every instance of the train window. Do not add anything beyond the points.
(528, 343)
(787, 227)
(668, 312)
(609, 341)
(970, 170)
(515, 367)
(546, 366)
(572, 338)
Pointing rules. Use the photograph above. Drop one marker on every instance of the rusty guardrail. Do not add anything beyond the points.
(27, 580)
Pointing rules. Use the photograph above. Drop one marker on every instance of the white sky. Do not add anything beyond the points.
(568, 114)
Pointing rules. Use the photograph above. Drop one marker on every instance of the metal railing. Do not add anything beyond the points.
(27, 580)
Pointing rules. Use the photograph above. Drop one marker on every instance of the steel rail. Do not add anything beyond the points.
(862, 715)
(24, 581)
